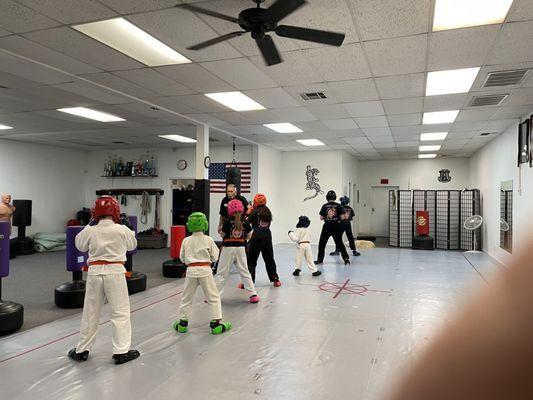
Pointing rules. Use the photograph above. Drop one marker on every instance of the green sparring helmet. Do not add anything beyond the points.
(197, 222)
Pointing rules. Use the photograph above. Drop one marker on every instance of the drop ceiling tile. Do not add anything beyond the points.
(272, 98)
(179, 29)
(196, 77)
(30, 71)
(296, 69)
(371, 132)
(17, 18)
(408, 144)
(155, 82)
(461, 48)
(340, 124)
(395, 87)
(467, 126)
(111, 81)
(4, 32)
(328, 111)
(72, 11)
(208, 119)
(135, 6)
(406, 130)
(364, 109)
(404, 119)
(445, 102)
(240, 73)
(354, 90)
(294, 114)
(520, 97)
(339, 63)
(482, 114)
(521, 10)
(513, 44)
(372, 122)
(397, 56)
(188, 104)
(348, 133)
(378, 19)
(403, 106)
(499, 125)
(23, 47)
(312, 126)
(511, 112)
(76, 45)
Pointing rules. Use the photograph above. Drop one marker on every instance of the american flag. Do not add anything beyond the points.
(217, 176)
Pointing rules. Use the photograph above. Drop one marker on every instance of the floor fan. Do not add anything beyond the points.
(472, 224)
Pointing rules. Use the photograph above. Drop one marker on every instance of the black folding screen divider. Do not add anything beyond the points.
(448, 209)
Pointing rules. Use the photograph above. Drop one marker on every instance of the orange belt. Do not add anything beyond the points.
(200, 264)
(303, 242)
(101, 262)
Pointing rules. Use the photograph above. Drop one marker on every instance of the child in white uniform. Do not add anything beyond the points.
(198, 251)
(107, 243)
(303, 249)
(236, 232)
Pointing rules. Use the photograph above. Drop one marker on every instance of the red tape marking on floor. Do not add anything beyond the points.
(75, 333)
(342, 288)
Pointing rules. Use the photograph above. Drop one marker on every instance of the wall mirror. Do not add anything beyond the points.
(506, 216)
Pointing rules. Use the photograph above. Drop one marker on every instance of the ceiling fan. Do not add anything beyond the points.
(259, 21)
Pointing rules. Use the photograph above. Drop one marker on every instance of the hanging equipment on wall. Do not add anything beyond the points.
(233, 173)
(145, 207)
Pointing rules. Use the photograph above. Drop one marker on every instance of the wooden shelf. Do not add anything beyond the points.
(128, 192)
(129, 176)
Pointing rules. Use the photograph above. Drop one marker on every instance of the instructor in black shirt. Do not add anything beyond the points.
(330, 213)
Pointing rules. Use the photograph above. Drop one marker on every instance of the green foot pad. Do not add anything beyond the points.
(181, 325)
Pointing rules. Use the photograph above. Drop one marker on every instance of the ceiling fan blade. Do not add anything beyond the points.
(216, 40)
(281, 8)
(268, 50)
(201, 10)
(310, 35)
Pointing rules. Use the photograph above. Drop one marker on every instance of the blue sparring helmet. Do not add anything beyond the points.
(303, 222)
(345, 200)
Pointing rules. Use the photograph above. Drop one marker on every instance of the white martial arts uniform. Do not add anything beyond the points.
(234, 252)
(303, 249)
(199, 249)
(106, 242)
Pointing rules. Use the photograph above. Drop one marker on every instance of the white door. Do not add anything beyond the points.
(379, 213)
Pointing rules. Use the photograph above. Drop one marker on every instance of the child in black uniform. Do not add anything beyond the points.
(261, 241)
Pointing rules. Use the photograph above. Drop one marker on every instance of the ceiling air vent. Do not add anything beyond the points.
(487, 100)
(488, 133)
(505, 78)
(313, 96)
(3, 87)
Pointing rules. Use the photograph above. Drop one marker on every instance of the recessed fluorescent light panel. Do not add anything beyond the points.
(237, 101)
(433, 136)
(440, 117)
(178, 138)
(2, 127)
(427, 155)
(311, 142)
(453, 14)
(125, 37)
(429, 148)
(91, 114)
(451, 81)
(283, 128)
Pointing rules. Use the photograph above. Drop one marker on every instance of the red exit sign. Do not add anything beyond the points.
(384, 181)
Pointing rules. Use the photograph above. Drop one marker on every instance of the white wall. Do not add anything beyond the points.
(51, 177)
(293, 188)
(494, 163)
(407, 174)
(167, 159)
(270, 176)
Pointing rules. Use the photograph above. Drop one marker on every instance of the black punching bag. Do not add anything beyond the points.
(233, 176)
(22, 214)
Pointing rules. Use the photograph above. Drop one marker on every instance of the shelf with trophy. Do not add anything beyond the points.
(145, 166)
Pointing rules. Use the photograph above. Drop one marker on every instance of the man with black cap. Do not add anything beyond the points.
(330, 213)
(346, 224)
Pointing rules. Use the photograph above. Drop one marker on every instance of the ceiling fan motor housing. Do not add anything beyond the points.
(257, 21)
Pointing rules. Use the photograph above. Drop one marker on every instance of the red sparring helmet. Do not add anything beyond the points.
(259, 200)
(106, 206)
(235, 206)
